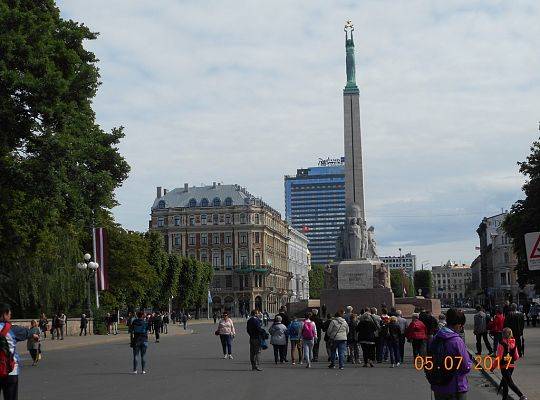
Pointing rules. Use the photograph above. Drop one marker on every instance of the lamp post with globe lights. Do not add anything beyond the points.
(89, 268)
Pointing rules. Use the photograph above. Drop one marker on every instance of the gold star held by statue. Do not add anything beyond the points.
(349, 24)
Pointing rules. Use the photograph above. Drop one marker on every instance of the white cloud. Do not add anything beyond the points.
(245, 92)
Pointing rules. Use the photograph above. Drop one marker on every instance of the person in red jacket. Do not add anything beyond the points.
(416, 333)
(508, 354)
(495, 327)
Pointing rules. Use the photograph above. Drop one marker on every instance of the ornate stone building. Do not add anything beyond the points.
(243, 238)
(299, 265)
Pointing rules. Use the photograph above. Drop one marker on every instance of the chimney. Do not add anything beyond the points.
(214, 185)
(186, 187)
(164, 192)
(158, 192)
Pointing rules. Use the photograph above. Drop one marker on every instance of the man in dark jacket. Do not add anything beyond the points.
(256, 334)
(430, 322)
(284, 316)
(318, 324)
(515, 321)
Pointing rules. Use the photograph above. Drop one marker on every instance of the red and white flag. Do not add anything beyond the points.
(101, 255)
(306, 229)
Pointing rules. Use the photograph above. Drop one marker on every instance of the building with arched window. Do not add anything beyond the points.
(242, 237)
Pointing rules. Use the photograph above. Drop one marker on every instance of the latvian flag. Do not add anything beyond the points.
(101, 255)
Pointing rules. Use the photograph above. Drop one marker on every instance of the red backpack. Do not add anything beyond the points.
(7, 362)
(308, 331)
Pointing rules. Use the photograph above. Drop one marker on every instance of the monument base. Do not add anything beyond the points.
(334, 299)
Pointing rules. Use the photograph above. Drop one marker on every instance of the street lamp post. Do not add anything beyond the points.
(89, 267)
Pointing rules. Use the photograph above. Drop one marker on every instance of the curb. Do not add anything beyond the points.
(492, 377)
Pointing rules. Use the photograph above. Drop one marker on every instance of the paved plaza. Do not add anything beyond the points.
(190, 366)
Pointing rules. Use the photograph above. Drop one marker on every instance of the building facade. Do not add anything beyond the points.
(243, 238)
(299, 262)
(406, 262)
(452, 283)
(497, 261)
(315, 205)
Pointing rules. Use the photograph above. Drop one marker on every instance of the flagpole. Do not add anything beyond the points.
(95, 259)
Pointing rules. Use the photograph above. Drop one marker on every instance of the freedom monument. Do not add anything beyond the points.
(358, 277)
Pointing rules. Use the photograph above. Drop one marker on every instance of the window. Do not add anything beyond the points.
(216, 260)
(257, 237)
(228, 219)
(191, 239)
(204, 239)
(191, 220)
(503, 278)
(228, 261)
(228, 202)
(228, 281)
(257, 219)
(204, 202)
(242, 218)
(192, 203)
(177, 240)
(227, 238)
(204, 256)
(215, 218)
(203, 219)
(216, 202)
(258, 260)
(243, 238)
(177, 221)
(161, 204)
(160, 222)
(506, 258)
(243, 260)
(215, 238)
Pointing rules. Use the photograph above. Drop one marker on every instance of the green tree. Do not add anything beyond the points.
(423, 281)
(58, 168)
(524, 216)
(316, 281)
(398, 280)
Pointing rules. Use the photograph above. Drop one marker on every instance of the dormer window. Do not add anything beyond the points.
(192, 203)
(161, 204)
(204, 202)
(228, 202)
(216, 202)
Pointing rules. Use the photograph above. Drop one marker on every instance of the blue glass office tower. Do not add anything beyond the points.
(315, 205)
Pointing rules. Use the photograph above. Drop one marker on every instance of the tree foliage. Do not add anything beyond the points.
(423, 280)
(524, 216)
(398, 280)
(316, 281)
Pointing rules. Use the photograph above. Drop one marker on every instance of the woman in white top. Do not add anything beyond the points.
(226, 334)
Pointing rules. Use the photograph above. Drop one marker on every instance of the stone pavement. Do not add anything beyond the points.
(527, 372)
(191, 366)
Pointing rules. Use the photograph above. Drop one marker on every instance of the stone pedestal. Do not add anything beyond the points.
(334, 299)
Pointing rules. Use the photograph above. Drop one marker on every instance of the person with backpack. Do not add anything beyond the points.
(318, 323)
(9, 358)
(447, 381)
(352, 340)
(139, 340)
(480, 331)
(309, 335)
(416, 333)
(294, 332)
(508, 354)
(337, 332)
(516, 322)
(392, 341)
(366, 337)
(278, 339)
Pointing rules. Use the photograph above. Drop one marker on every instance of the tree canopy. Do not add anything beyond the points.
(316, 281)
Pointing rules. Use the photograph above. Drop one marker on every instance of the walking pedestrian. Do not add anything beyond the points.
(450, 384)
(327, 341)
(285, 320)
(377, 319)
(43, 325)
(139, 342)
(352, 339)
(496, 327)
(61, 323)
(256, 334)
(294, 331)
(184, 320)
(515, 321)
(33, 345)
(54, 325)
(416, 333)
(318, 324)
(508, 354)
(166, 321)
(226, 333)
(402, 326)
(114, 318)
(392, 341)
(278, 339)
(215, 316)
(157, 325)
(83, 325)
(480, 331)
(266, 318)
(338, 331)
(383, 350)
(108, 323)
(9, 336)
(309, 335)
(535, 310)
(366, 337)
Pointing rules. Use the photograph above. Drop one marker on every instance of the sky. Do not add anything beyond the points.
(249, 91)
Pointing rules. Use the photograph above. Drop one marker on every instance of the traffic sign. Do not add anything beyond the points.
(532, 245)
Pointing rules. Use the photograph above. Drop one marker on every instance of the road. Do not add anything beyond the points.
(191, 367)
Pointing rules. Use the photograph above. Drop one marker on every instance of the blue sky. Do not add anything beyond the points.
(248, 91)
